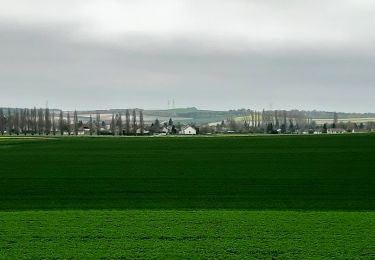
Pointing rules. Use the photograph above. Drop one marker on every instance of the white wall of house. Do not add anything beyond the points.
(189, 131)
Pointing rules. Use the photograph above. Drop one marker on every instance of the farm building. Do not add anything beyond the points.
(188, 130)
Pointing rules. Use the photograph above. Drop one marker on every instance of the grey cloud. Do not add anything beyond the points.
(38, 64)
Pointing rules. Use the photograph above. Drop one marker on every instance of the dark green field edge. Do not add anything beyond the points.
(330, 173)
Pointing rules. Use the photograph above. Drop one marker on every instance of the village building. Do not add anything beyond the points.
(188, 130)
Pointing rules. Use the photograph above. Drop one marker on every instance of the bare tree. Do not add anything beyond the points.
(277, 122)
(97, 123)
(53, 123)
(284, 125)
(335, 120)
(75, 121)
(68, 123)
(29, 120)
(47, 121)
(119, 123)
(252, 118)
(34, 120)
(113, 124)
(61, 123)
(264, 120)
(142, 123)
(22, 121)
(40, 121)
(2, 121)
(9, 122)
(16, 121)
(91, 125)
(127, 122)
(134, 125)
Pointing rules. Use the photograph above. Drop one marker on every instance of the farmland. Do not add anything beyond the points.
(249, 196)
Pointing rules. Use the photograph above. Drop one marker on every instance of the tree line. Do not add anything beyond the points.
(272, 121)
(46, 122)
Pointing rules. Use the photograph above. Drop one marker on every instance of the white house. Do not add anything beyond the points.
(188, 130)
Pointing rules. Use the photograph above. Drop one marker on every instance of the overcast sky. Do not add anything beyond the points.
(212, 54)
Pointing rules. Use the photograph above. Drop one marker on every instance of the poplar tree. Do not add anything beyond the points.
(120, 127)
(97, 123)
(29, 120)
(264, 121)
(277, 123)
(259, 120)
(34, 119)
(16, 121)
(252, 118)
(91, 125)
(142, 124)
(61, 122)
(22, 121)
(47, 121)
(68, 123)
(9, 122)
(40, 121)
(284, 128)
(53, 123)
(127, 122)
(335, 120)
(113, 126)
(134, 126)
(75, 121)
(2, 121)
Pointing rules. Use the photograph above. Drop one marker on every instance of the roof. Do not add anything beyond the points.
(186, 127)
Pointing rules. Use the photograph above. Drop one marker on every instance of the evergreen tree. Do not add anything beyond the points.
(325, 129)
(269, 128)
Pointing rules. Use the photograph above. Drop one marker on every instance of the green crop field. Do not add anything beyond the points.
(197, 197)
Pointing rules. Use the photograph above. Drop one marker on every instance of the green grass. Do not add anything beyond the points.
(300, 173)
(182, 234)
(258, 197)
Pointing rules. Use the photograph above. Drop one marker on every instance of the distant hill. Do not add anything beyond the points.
(195, 115)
